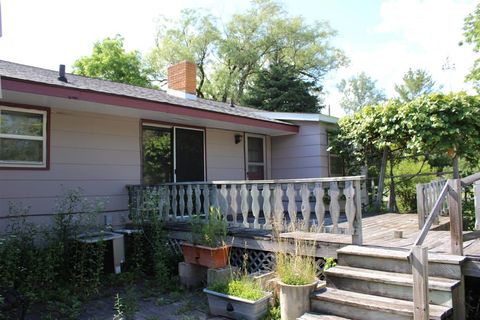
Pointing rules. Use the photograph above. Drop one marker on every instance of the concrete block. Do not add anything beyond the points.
(220, 275)
(192, 275)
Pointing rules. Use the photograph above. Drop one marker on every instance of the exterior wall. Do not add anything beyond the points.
(102, 154)
(303, 155)
(99, 153)
(225, 159)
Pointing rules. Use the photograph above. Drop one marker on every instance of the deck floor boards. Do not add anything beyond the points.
(378, 230)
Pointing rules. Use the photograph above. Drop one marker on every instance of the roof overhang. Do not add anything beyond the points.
(46, 95)
(297, 116)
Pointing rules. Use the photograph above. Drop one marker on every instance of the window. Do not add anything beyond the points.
(335, 165)
(255, 152)
(172, 154)
(23, 137)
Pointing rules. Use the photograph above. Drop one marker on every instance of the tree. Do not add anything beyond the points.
(192, 37)
(110, 61)
(415, 83)
(280, 88)
(359, 91)
(247, 43)
(471, 33)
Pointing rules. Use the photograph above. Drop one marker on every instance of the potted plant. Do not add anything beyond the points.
(208, 248)
(239, 298)
(297, 280)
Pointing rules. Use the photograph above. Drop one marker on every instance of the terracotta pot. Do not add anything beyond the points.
(206, 256)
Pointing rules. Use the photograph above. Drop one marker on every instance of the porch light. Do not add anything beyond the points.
(238, 138)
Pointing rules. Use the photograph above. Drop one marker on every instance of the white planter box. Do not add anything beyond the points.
(236, 308)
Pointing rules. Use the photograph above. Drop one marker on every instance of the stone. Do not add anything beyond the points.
(192, 275)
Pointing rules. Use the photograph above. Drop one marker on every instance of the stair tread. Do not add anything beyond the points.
(397, 253)
(376, 303)
(403, 279)
(317, 316)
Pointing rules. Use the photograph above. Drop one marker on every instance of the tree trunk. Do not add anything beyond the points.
(381, 180)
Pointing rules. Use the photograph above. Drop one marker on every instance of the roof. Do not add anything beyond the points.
(50, 77)
(296, 116)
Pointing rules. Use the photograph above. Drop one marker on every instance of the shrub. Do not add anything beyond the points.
(212, 232)
(244, 287)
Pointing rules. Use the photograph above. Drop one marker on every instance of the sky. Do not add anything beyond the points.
(381, 38)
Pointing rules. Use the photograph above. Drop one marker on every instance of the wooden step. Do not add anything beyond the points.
(388, 284)
(362, 306)
(316, 316)
(395, 260)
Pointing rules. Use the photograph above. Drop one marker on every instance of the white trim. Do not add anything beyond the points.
(181, 94)
(251, 163)
(294, 116)
(43, 138)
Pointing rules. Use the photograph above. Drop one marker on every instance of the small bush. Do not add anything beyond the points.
(244, 287)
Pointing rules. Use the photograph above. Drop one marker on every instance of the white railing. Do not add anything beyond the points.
(318, 205)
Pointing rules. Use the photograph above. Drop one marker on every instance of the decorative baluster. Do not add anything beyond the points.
(181, 202)
(292, 205)
(255, 206)
(214, 195)
(167, 203)
(189, 200)
(174, 202)
(224, 201)
(206, 201)
(334, 208)
(305, 194)
(349, 193)
(198, 200)
(161, 202)
(234, 203)
(267, 209)
(319, 205)
(278, 205)
(244, 204)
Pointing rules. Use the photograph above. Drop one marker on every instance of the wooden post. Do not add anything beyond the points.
(456, 217)
(381, 180)
(357, 237)
(420, 283)
(476, 192)
(420, 206)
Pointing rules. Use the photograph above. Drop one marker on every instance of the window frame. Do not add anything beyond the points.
(173, 127)
(45, 138)
(247, 160)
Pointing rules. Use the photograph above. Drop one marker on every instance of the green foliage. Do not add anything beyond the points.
(110, 61)
(244, 287)
(359, 91)
(471, 33)
(192, 37)
(280, 88)
(329, 263)
(296, 268)
(229, 60)
(212, 232)
(405, 187)
(46, 264)
(415, 84)
(438, 123)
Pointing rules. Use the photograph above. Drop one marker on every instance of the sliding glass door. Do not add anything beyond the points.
(189, 155)
(172, 154)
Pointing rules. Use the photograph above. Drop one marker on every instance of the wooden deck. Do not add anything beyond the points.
(378, 230)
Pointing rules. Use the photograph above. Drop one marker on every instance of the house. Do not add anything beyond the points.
(61, 131)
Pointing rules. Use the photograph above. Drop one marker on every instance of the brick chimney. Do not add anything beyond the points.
(182, 80)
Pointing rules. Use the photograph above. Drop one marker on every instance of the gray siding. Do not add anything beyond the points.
(303, 155)
(98, 153)
(225, 159)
